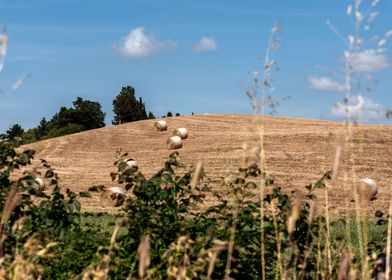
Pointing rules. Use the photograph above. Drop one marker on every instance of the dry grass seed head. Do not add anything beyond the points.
(143, 252)
(197, 175)
(336, 163)
(3, 47)
(344, 267)
(11, 202)
(24, 266)
(213, 254)
(294, 215)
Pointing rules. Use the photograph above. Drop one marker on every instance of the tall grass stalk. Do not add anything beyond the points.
(230, 248)
(389, 242)
(258, 106)
(353, 88)
(272, 44)
(278, 245)
(319, 253)
(328, 239)
(359, 217)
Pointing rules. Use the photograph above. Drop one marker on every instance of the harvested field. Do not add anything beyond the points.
(298, 152)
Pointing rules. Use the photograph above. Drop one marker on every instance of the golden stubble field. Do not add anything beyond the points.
(298, 152)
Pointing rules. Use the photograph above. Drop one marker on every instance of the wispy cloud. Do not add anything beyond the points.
(139, 43)
(360, 108)
(57, 53)
(325, 83)
(20, 81)
(372, 60)
(275, 13)
(206, 44)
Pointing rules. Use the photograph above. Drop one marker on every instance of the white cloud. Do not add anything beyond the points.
(372, 60)
(205, 44)
(359, 108)
(140, 43)
(325, 84)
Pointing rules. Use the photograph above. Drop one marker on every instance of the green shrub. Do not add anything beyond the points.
(67, 129)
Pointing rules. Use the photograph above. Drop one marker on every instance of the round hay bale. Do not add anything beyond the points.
(367, 189)
(174, 142)
(132, 163)
(181, 132)
(161, 125)
(40, 183)
(112, 197)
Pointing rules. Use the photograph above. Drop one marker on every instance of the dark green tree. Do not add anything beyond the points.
(42, 128)
(143, 112)
(169, 114)
(151, 115)
(61, 119)
(30, 136)
(14, 131)
(178, 114)
(85, 113)
(127, 108)
(88, 114)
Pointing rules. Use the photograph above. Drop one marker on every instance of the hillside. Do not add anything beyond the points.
(298, 152)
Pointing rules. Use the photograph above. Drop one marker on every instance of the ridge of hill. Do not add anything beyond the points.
(298, 152)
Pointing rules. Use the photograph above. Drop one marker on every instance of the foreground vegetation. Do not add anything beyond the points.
(162, 232)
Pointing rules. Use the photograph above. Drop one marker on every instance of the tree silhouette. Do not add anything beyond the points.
(85, 113)
(14, 131)
(127, 108)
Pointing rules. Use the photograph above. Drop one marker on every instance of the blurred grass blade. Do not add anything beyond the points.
(11, 202)
(144, 256)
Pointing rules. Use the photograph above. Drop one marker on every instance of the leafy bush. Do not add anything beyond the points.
(27, 212)
(66, 130)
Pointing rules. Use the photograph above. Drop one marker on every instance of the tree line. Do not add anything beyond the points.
(83, 115)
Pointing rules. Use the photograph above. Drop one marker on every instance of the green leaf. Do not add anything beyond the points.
(49, 173)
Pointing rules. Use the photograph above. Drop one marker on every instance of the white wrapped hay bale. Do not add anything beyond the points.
(174, 142)
(161, 125)
(367, 189)
(112, 197)
(132, 163)
(181, 132)
(40, 183)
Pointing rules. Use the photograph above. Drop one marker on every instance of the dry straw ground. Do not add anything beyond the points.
(298, 152)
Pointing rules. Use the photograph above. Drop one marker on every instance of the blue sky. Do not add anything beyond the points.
(183, 56)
